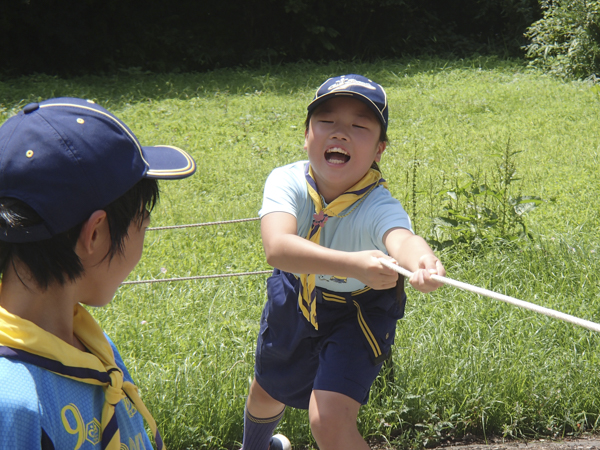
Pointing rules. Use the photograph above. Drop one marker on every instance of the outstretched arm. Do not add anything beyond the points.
(414, 254)
(287, 251)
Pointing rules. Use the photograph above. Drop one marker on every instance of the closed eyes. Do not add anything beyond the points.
(354, 125)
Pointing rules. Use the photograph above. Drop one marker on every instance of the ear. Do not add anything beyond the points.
(93, 233)
(380, 149)
(306, 139)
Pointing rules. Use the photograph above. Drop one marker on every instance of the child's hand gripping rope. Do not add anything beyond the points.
(505, 298)
(422, 279)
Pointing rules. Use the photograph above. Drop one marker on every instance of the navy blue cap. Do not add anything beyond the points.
(358, 87)
(68, 157)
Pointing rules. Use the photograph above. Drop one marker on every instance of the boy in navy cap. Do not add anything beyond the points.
(330, 318)
(76, 192)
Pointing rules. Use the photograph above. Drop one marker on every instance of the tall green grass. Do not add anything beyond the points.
(462, 364)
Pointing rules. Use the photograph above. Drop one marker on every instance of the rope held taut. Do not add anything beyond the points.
(206, 224)
(467, 287)
(504, 298)
(198, 277)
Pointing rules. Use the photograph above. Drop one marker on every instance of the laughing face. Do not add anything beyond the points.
(342, 142)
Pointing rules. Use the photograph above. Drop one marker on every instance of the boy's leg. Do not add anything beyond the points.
(261, 417)
(332, 419)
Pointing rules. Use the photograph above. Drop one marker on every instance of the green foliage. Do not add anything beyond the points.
(481, 213)
(190, 35)
(566, 40)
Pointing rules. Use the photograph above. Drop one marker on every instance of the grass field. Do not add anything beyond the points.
(462, 363)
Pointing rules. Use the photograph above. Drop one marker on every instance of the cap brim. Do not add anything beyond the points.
(168, 163)
(367, 101)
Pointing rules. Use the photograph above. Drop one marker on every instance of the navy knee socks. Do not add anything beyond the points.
(258, 432)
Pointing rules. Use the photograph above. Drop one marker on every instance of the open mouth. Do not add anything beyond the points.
(337, 156)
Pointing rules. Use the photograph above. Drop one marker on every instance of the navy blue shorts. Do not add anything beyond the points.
(355, 335)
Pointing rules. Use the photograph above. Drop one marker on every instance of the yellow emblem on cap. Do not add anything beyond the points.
(29, 153)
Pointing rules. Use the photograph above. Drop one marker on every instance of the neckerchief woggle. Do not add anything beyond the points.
(307, 298)
(22, 340)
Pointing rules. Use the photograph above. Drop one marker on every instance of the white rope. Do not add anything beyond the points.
(172, 227)
(504, 298)
(198, 277)
(467, 287)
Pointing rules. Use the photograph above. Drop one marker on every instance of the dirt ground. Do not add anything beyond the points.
(579, 443)
(591, 442)
(469, 442)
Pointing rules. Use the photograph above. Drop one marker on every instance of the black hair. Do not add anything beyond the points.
(55, 260)
(383, 137)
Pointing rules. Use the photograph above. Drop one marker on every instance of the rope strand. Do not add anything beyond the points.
(504, 298)
(172, 227)
(199, 277)
(458, 284)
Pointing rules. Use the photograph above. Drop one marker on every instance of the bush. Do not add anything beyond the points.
(485, 210)
(106, 36)
(566, 41)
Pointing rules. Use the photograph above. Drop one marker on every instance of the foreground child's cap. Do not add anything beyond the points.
(358, 87)
(68, 157)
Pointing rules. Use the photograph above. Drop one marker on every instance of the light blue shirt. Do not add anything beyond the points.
(363, 229)
(68, 411)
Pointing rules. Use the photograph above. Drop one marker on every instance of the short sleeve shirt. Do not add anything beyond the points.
(40, 409)
(363, 229)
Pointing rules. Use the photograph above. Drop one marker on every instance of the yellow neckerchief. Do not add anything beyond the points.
(25, 341)
(353, 196)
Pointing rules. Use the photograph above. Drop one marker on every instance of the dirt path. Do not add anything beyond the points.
(579, 443)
